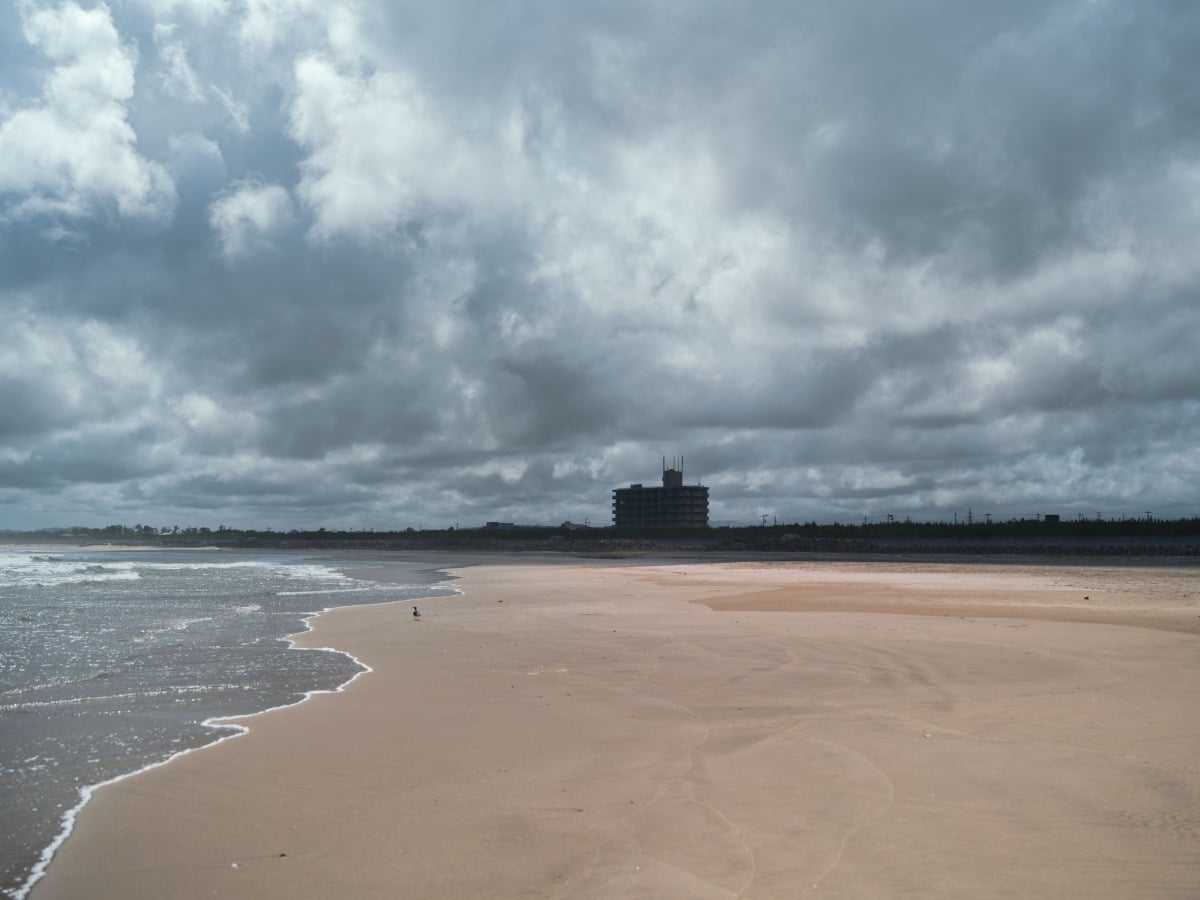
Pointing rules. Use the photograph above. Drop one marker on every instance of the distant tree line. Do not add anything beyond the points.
(1088, 537)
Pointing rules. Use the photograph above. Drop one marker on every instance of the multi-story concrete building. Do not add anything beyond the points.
(674, 505)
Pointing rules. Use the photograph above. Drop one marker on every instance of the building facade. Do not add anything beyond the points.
(674, 505)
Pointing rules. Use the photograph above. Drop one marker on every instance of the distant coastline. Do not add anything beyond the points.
(1080, 539)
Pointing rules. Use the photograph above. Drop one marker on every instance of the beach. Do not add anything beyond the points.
(679, 728)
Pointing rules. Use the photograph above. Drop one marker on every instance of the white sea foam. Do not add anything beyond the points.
(29, 569)
(54, 574)
(126, 695)
(170, 627)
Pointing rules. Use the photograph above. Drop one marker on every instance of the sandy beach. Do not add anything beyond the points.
(581, 729)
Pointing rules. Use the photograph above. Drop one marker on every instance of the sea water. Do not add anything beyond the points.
(112, 661)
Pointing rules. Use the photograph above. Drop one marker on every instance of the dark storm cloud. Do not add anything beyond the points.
(27, 408)
(377, 264)
(100, 459)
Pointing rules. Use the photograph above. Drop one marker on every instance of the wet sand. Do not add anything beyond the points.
(578, 729)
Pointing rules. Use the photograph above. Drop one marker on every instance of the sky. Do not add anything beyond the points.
(391, 263)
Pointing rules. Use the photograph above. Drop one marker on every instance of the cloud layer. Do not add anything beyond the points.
(368, 264)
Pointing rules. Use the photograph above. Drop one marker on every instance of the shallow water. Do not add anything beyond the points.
(112, 661)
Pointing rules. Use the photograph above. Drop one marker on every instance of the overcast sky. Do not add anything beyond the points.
(390, 263)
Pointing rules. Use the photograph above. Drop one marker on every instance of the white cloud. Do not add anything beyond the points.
(247, 217)
(238, 114)
(69, 373)
(178, 77)
(266, 23)
(375, 148)
(192, 153)
(202, 10)
(74, 149)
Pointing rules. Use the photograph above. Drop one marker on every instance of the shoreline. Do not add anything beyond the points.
(232, 725)
(506, 620)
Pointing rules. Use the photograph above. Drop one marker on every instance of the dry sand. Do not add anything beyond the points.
(583, 730)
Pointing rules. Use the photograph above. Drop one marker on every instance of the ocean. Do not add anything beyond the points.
(112, 661)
